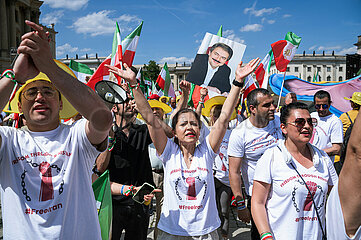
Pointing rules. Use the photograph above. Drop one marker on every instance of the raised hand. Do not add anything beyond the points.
(203, 92)
(35, 55)
(185, 86)
(127, 74)
(243, 72)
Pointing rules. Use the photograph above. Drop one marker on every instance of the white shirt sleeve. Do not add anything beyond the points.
(236, 144)
(263, 168)
(170, 148)
(337, 131)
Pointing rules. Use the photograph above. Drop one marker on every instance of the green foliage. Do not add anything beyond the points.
(151, 70)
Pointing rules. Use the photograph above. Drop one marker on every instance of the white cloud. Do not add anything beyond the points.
(99, 23)
(271, 21)
(313, 47)
(85, 49)
(232, 36)
(176, 59)
(345, 51)
(320, 48)
(52, 17)
(251, 28)
(90, 55)
(261, 12)
(67, 4)
(287, 15)
(65, 49)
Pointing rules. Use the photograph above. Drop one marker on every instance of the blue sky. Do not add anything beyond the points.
(173, 30)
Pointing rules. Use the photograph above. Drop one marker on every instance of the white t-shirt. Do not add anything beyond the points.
(221, 166)
(335, 223)
(189, 207)
(249, 143)
(329, 130)
(289, 206)
(57, 203)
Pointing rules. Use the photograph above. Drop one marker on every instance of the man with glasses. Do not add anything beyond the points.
(328, 134)
(45, 174)
(247, 143)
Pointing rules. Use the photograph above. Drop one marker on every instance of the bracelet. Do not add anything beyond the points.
(111, 141)
(241, 202)
(266, 235)
(129, 191)
(121, 190)
(241, 207)
(237, 84)
(111, 147)
(96, 171)
(11, 75)
(136, 86)
(200, 102)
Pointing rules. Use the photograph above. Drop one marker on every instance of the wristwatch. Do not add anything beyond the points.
(237, 84)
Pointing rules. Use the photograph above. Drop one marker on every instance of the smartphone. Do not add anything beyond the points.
(145, 189)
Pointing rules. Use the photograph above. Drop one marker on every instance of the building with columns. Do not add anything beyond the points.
(13, 14)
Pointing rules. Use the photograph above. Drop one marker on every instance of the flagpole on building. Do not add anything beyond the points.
(279, 98)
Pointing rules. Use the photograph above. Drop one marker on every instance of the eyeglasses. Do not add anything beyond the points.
(300, 122)
(32, 93)
(324, 106)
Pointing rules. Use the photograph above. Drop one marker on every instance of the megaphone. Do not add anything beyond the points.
(110, 92)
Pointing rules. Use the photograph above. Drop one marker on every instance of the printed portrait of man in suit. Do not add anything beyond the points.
(211, 69)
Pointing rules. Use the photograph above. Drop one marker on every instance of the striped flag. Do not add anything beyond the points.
(284, 50)
(80, 70)
(165, 83)
(262, 70)
(130, 44)
(116, 48)
(250, 85)
(102, 73)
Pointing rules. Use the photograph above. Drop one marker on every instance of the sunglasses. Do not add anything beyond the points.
(300, 122)
(324, 106)
(32, 93)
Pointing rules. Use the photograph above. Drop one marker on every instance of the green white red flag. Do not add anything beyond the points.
(130, 44)
(250, 85)
(102, 73)
(117, 48)
(262, 70)
(284, 50)
(165, 83)
(80, 70)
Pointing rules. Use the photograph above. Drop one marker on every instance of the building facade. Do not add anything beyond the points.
(13, 14)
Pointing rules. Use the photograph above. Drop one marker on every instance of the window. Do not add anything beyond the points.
(340, 69)
(319, 69)
(309, 78)
(172, 77)
(328, 69)
(180, 76)
(319, 78)
(288, 69)
(308, 69)
(340, 78)
(328, 78)
(296, 69)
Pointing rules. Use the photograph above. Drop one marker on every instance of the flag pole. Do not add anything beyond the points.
(279, 98)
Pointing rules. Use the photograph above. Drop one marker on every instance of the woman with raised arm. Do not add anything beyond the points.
(291, 182)
(189, 197)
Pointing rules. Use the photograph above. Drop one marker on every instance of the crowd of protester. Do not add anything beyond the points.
(278, 167)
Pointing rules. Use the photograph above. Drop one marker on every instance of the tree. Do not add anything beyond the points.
(151, 70)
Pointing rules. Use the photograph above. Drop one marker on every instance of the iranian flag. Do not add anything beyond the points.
(102, 73)
(130, 44)
(262, 70)
(116, 48)
(284, 50)
(80, 70)
(165, 83)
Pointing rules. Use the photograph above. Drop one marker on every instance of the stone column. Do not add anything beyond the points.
(12, 27)
(4, 29)
(27, 17)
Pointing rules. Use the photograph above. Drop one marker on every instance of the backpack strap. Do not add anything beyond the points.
(349, 117)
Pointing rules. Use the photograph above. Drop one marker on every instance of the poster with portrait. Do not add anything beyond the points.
(215, 64)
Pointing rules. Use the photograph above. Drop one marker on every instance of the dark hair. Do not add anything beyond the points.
(184, 110)
(225, 47)
(322, 94)
(253, 95)
(286, 110)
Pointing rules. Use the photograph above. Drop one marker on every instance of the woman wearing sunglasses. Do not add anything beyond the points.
(291, 182)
